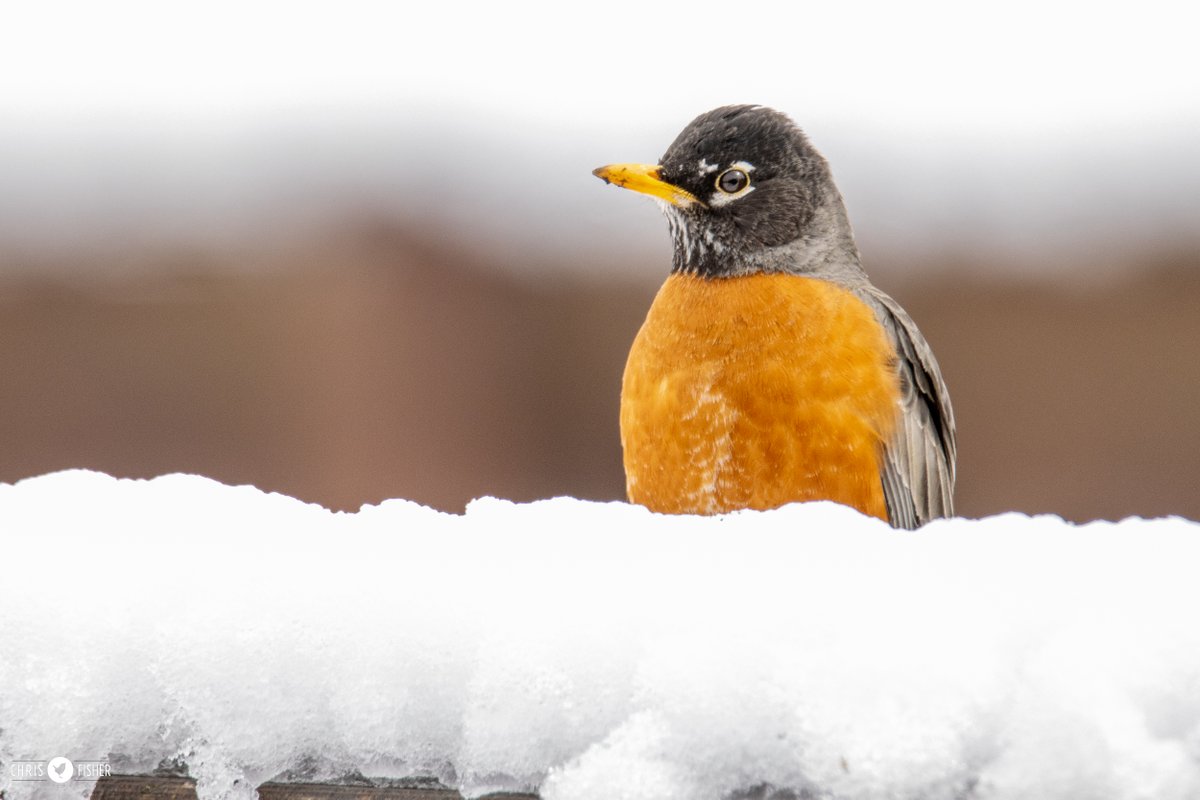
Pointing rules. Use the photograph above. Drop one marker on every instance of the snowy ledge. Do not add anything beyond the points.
(595, 650)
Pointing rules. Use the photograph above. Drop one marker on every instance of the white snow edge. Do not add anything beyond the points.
(595, 650)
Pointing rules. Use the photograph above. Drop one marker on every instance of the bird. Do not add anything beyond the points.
(769, 369)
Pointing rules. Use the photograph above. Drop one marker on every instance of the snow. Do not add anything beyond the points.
(594, 650)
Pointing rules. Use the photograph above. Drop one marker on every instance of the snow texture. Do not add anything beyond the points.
(594, 650)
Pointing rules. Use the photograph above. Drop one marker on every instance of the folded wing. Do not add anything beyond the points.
(918, 464)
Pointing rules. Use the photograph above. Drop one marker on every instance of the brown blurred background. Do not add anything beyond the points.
(432, 298)
(381, 361)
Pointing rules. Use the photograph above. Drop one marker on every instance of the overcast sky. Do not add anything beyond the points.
(1014, 69)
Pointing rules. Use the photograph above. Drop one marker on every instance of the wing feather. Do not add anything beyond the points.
(919, 463)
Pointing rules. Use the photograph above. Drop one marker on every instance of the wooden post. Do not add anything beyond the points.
(154, 787)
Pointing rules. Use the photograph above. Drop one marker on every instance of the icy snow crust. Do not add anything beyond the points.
(595, 650)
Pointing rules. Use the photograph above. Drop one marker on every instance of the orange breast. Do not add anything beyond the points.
(757, 391)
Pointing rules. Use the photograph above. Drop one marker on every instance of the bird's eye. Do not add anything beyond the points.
(732, 181)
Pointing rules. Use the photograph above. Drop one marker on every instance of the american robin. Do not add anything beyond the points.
(769, 369)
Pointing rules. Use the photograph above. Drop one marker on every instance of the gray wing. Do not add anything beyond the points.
(918, 464)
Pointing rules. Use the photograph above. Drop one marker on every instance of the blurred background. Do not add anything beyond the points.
(354, 251)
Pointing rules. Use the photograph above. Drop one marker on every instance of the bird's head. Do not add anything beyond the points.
(745, 192)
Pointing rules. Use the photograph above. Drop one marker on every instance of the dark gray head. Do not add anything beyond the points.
(744, 192)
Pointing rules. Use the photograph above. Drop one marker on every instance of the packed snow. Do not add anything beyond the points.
(593, 650)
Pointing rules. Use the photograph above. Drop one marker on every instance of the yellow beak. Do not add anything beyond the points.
(645, 178)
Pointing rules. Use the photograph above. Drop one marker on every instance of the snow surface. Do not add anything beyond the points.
(594, 650)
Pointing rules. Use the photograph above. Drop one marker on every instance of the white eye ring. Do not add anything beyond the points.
(732, 181)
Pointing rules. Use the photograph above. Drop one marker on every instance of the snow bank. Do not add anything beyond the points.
(595, 650)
